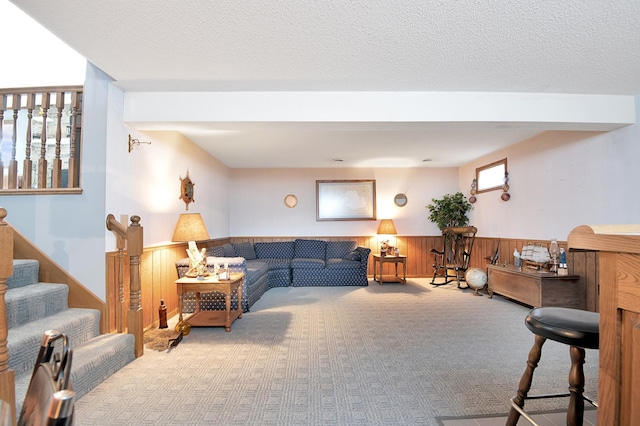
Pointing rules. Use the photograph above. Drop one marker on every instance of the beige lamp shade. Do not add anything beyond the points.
(190, 227)
(386, 227)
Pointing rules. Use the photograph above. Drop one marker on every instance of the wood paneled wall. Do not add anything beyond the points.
(158, 271)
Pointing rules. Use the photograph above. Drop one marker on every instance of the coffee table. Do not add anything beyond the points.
(209, 318)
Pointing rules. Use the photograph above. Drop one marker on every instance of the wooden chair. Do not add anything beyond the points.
(452, 262)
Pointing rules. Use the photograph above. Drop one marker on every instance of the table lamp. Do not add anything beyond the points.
(190, 228)
(386, 227)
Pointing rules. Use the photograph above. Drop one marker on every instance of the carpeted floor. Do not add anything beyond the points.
(376, 355)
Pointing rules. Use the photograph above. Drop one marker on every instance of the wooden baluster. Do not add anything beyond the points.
(120, 244)
(27, 167)
(73, 173)
(7, 377)
(3, 107)
(42, 161)
(13, 164)
(135, 320)
(56, 174)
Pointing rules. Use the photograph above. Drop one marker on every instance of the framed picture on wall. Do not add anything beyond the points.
(345, 200)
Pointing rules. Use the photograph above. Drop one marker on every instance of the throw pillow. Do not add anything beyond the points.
(354, 255)
(217, 251)
(229, 251)
(245, 250)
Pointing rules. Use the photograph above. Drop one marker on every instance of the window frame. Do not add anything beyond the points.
(487, 167)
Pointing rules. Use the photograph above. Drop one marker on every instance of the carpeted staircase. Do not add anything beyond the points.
(33, 308)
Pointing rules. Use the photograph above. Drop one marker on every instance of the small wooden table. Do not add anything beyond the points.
(210, 318)
(379, 260)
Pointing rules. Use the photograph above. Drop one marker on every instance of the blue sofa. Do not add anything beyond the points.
(302, 262)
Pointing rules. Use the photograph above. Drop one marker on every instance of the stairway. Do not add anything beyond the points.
(33, 308)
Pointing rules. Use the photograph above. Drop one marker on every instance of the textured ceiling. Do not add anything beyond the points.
(572, 46)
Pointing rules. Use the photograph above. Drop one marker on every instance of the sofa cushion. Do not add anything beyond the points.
(245, 250)
(310, 249)
(275, 250)
(343, 264)
(339, 249)
(302, 263)
(276, 263)
(216, 251)
(229, 251)
(353, 255)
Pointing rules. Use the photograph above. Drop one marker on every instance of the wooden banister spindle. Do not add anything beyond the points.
(56, 174)
(27, 168)
(3, 108)
(7, 377)
(120, 245)
(13, 164)
(135, 319)
(73, 173)
(42, 161)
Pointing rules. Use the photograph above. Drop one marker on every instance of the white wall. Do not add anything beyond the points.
(560, 180)
(257, 200)
(146, 181)
(70, 228)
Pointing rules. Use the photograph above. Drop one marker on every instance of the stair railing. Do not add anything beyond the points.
(132, 236)
(46, 132)
(7, 377)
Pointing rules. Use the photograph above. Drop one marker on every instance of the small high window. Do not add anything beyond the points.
(491, 176)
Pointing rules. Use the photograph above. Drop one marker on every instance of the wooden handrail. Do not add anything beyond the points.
(60, 112)
(7, 376)
(133, 236)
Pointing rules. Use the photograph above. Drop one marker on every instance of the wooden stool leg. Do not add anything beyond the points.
(575, 413)
(525, 381)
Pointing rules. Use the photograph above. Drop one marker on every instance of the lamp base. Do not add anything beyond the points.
(196, 275)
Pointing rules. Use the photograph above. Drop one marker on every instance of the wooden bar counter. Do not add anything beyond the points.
(618, 248)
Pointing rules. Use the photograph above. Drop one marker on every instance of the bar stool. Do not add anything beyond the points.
(574, 327)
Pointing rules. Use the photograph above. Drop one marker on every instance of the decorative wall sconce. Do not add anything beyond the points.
(505, 188)
(473, 191)
(136, 142)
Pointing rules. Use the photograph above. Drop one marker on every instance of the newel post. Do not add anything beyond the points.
(135, 320)
(7, 377)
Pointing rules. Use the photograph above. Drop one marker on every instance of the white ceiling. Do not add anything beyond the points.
(567, 47)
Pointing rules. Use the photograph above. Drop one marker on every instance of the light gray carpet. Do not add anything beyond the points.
(376, 355)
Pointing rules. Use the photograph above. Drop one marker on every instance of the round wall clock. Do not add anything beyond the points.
(291, 201)
(186, 190)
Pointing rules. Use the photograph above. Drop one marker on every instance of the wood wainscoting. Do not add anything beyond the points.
(158, 271)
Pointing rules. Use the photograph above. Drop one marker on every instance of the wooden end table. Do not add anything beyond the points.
(209, 318)
(378, 260)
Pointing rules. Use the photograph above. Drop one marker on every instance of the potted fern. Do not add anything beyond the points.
(450, 210)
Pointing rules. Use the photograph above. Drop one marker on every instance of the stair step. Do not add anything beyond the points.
(33, 308)
(98, 359)
(24, 341)
(35, 301)
(91, 364)
(25, 272)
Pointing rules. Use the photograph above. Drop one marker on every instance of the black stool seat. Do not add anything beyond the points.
(572, 327)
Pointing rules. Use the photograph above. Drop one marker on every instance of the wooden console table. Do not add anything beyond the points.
(536, 288)
(618, 263)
